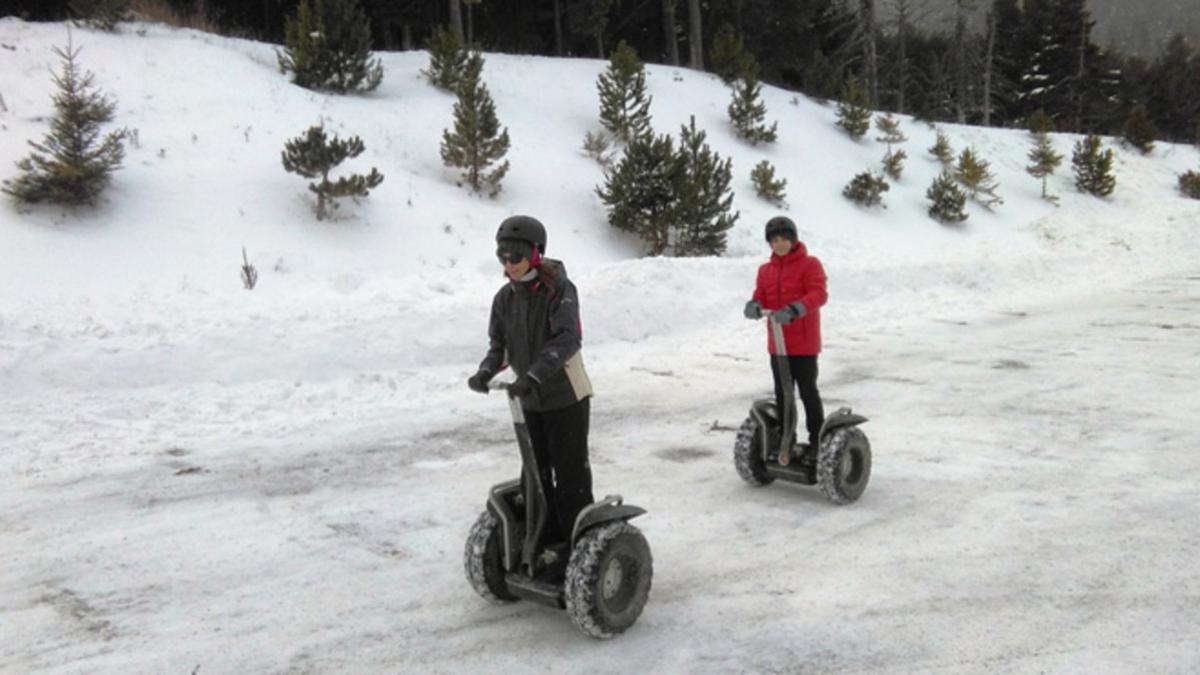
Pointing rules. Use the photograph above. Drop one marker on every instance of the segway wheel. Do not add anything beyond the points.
(748, 456)
(608, 579)
(844, 465)
(485, 570)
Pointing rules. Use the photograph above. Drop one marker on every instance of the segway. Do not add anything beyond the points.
(766, 446)
(601, 577)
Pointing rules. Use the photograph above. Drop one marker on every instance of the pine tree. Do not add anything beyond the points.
(447, 59)
(477, 142)
(641, 192)
(314, 155)
(100, 14)
(703, 212)
(1044, 160)
(852, 113)
(1189, 184)
(1138, 131)
(765, 185)
(327, 47)
(747, 111)
(624, 106)
(728, 55)
(893, 164)
(1093, 169)
(941, 149)
(889, 128)
(947, 200)
(866, 188)
(72, 164)
(973, 173)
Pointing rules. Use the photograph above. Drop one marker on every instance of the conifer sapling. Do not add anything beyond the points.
(314, 155)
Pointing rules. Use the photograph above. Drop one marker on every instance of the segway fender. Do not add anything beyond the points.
(842, 418)
(604, 511)
(511, 527)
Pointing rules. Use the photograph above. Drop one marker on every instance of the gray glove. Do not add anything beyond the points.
(479, 381)
(753, 310)
(790, 313)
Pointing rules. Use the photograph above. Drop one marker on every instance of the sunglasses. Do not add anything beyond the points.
(509, 257)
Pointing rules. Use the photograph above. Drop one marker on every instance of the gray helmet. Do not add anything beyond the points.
(523, 228)
(781, 225)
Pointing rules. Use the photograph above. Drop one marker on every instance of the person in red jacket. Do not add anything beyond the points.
(792, 286)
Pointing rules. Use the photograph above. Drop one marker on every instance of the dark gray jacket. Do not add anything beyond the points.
(535, 329)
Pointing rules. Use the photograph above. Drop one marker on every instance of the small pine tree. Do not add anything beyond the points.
(477, 141)
(947, 200)
(852, 113)
(1138, 131)
(765, 185)
(1093, 169)
(747, 111)
(941, 149)
(1043, 159)
(598, 147)
(703, 213)
(447, 59)
(974, 174)
(1189, 184)
(866, 188)
(728, 55)
(889, 128)
(624, 106)
(72, 164)
(314, 155)
(641, 192)
(327, 47)
(100, 14)
(893, 164)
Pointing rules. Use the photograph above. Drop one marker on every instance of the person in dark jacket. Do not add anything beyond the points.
(792, 286)
(535, 330)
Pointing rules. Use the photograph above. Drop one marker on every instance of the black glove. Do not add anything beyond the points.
(789, 314)
(753, 310)
(522, 387)
(479, 381)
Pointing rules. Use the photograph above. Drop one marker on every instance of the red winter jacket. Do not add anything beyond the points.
(796, 277)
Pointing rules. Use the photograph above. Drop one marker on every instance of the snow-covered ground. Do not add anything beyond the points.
(199, 477)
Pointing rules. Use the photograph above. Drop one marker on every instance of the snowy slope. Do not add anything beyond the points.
(282, 479)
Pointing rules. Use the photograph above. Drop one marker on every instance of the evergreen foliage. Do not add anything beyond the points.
(728, 54)
(328, 47)
(765, 184)
(866, 188)
(641, 192)
(1093, 168)
(889, 128)
(1138, 131)
(974, 174)
(1189, 184)
(314, 155)
(100, 14)
(853, 115)
(624, 106)
(947, 200)
(703, 211)
(598, 147)
(447, 59)
(72, 164)
(893, 164)
(941, 149)
(1043, 159)
(747, 111)
(477, 142)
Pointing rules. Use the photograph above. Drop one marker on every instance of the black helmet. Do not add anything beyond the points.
(524, 228)
(781, 225)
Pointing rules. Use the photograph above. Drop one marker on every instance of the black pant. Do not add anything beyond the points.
(560, 445)
(804, 374)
